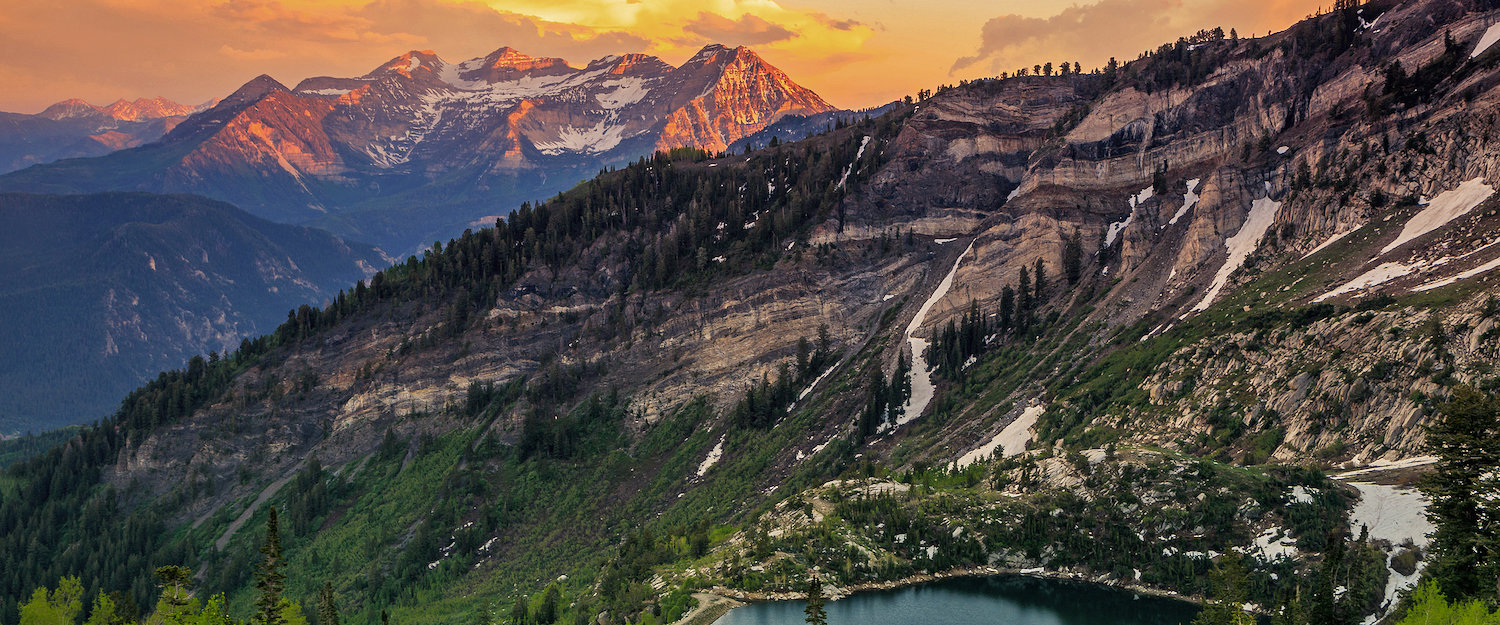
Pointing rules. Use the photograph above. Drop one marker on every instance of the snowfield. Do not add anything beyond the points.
(921, 378)
(600, 138)
(713, 457)
(1117, 227)
(1262, 213)
(1394, 514)
(1490, 37)
(1188, 201)
(1487, 267)
(1446, 207)
(1011, 441)
(1372, 278)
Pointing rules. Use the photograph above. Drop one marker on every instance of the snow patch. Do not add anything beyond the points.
(803, 395)
(627, 91)
(1384, 465)
(713, 457)
(600, 138)
(921, 377)
(1117, 227)
(1374, 277)
(1487, 267)
(1011, 441)
(1490, 37)
(850, 169)
(1274, 544)
(329, 91)
(1262, 213)
(942, 241)
(1394, 514)
(1188, 201)
(1446, 207)
(1283, 149)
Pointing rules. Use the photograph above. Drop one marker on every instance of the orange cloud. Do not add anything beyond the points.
(853, 53)
(749, 30)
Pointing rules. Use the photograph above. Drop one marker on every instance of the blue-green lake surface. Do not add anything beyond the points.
(1007, 599)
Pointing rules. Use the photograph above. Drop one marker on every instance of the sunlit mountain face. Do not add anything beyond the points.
(420, 147)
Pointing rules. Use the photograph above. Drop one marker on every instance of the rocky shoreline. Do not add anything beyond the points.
(835, 593)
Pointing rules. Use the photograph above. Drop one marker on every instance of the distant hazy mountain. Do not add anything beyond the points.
(420, 148)
(99, 292)
(74, 128)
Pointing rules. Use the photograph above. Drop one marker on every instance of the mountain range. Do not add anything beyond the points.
(74, 128)
(420, 148)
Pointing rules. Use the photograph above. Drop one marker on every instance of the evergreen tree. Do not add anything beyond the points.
(1023, 301)
(1073, 258)
(269, 579)
(175, 605)
(1041, 279)
(546, 613)
(1465, 555)
(1007, 307)
(520, 613)
(1227, 584)
(174, 582)
(328, 612)
(1327, 608)
(814, 610)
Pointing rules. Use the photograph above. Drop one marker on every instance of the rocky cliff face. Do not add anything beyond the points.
(1226, 228)
(474, 137)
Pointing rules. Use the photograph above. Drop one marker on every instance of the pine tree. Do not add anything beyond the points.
(520, 613)
(814, 610)
(328, 612)
(1228, 582)
(174, 582)
(546, 613)
(269, 579)
(1073, 258)
(1041, 279)
(1007, 307)
(1466, 440)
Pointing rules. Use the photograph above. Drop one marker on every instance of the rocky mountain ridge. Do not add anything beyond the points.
(420, 148)
(74, 128)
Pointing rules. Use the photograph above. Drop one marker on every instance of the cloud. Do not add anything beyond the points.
(253, 55)
(1090, 34)
(749, 30)
(191, 50)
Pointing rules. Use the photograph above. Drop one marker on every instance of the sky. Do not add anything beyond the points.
(855, 53)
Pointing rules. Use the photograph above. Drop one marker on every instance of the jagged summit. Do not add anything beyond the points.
(257, 88)
(486, 126)
(121, 109)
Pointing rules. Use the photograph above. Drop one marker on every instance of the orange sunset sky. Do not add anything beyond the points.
(855, 53)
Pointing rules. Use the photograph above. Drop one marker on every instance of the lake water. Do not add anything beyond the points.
(1007, 600)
